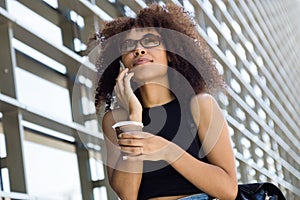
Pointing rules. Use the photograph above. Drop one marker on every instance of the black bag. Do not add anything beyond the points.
(259, 191)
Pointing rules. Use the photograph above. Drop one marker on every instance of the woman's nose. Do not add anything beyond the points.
(139, 51)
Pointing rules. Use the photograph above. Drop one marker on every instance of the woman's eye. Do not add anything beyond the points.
(127, 45)
(130, 43)
(150, 40)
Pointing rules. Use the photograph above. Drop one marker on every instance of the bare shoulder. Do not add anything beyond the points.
(203, 102)
(203, 107)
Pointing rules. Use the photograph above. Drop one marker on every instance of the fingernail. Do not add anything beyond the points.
(125, 157)
(120, 135)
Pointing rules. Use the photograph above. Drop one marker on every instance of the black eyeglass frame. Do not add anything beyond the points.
(159, 39)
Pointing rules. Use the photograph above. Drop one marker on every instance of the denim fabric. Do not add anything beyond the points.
(201, 196)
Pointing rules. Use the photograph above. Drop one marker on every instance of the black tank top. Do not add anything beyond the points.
(175, 124)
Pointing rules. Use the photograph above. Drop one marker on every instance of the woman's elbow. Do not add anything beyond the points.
(229, 193)
(122, 192)
(233, 193)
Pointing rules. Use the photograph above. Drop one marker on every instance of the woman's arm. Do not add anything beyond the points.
(218, 178)
(124, 176)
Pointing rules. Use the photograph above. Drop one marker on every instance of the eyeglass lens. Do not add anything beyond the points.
(148, 41)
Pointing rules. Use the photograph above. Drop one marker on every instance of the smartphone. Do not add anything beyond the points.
(122, 66)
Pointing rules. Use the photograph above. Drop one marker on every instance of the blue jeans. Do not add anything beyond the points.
(201, 196)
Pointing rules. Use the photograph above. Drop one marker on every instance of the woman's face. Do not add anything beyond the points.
(144, 54)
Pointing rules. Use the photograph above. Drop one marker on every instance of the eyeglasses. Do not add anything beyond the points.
(148, 41)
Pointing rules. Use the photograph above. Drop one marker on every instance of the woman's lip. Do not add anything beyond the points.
(141, 61)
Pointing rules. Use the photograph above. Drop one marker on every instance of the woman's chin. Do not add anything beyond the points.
(144, 78)
(148, 71)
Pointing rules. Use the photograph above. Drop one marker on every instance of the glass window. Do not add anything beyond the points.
(44, 96)
(51, 168)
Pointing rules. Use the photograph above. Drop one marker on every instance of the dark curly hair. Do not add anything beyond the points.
(192, 59)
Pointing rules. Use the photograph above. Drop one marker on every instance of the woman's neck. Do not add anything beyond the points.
(155, 95)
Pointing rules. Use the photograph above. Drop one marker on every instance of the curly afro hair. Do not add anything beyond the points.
(190, 57)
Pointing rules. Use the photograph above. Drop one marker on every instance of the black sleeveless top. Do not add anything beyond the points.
(175, 124)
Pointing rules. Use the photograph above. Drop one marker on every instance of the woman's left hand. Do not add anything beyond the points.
(141, 145)
(126, 97)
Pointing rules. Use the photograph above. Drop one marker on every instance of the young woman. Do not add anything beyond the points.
(162, 74)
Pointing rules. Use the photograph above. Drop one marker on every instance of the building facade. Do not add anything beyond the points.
(51, 144)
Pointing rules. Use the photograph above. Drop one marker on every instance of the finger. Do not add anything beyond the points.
(119, 86)
(119, 90)
(127, 85)
(127, 79)
(130, 142)
(122, 74)
(132, 151)
(120, 79)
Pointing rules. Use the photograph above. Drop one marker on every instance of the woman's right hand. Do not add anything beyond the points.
(126, 97)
